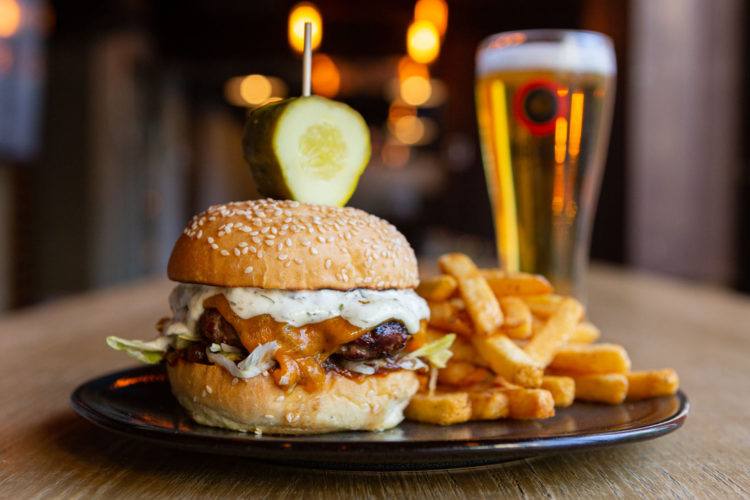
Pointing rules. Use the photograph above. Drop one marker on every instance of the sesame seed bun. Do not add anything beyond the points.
(292, 246)
(213, 397)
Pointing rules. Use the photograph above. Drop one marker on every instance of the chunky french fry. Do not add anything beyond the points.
(556, 332)
(609, 388)
(591, 358)
(585, 333)
(437, 288)
(530, 403)
(503, 283)
(442, 408)
(445, 316)
(508, 360)
(462, 373)
(463, 350)
(563, 389)
(516, 318)
(653, 383)
(543, 305)
(489, 404)
(482, 306)
(481, 303)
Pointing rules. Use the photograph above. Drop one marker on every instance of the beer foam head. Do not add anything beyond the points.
(577, 51)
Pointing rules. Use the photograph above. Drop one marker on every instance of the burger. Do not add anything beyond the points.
(292, 318)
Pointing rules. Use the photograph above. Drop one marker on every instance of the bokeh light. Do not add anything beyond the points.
(253, 90)
(408, 129)
(434, 11)
(10, 18)
(408, 67)
(423, 41)
(415, 90)
(326, 78)
(299, 15)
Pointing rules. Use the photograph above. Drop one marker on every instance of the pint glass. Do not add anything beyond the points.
(544, 104)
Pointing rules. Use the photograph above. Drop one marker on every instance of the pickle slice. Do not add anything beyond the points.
(308, 149)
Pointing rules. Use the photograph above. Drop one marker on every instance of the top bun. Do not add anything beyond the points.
(292, 246)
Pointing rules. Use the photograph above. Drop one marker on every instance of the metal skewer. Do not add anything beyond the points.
(307, 60)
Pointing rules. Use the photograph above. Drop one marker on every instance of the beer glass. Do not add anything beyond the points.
(544, 104)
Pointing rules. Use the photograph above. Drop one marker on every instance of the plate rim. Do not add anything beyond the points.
(242, 446)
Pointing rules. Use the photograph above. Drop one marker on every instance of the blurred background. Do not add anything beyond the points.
(120, 119)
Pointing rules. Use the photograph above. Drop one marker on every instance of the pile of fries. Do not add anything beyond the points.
(520, 350)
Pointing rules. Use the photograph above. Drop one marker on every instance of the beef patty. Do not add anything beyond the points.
(386, 339)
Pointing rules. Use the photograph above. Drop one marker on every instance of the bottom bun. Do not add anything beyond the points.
(214, 397)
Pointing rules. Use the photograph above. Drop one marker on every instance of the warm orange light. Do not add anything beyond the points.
(576, 123)
(408, 129)
(300, 14)
(398, 109)
(252, 90)
(10, 18)
(408, 67)
(415, 90)
(255, 89)
(326, 78)
(561, 137)
(434, 11)
(423, 41)
(558, 184)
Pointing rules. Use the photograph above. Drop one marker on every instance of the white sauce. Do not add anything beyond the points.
(361, 307)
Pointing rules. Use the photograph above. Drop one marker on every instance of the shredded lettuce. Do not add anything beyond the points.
(148, 352)
(260, 360)
(437, 352)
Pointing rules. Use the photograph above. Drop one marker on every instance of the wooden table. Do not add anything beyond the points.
(47, 450)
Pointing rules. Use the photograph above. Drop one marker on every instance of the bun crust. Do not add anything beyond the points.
(211, 396)
(292, 246)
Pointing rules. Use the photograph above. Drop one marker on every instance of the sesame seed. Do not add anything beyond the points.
(200, 234)
(214, 246)
(224, 252)
(253, 249)
(313, 250)
(243, 244)
(237, 252)
(210, 239)
(329, 263)
(283, 256)
(321, 239)
(245, 250)
(248, 269)
(289, 242)
(221, 233)
(269, 243)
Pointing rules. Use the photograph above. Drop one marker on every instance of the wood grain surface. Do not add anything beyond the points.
(47, 450)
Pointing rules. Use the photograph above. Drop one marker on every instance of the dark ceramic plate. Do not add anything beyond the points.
(137, 402)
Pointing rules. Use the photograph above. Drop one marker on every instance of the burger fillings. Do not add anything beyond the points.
(323, 338)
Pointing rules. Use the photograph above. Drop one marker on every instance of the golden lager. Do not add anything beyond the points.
(544, 102)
